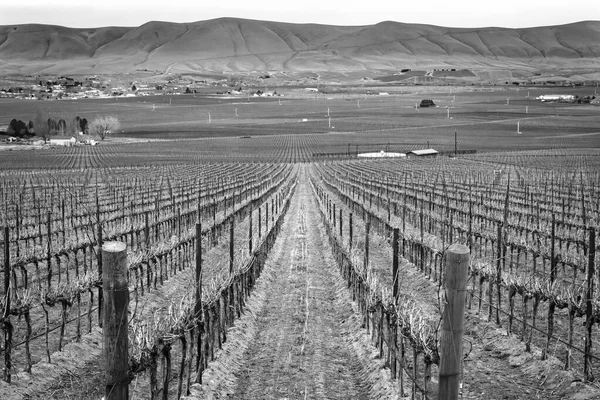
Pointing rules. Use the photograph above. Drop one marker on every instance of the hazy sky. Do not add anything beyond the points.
(456, 13)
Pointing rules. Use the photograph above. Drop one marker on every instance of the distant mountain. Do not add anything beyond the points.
(238, 45)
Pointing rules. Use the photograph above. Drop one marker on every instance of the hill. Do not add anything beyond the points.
(238, 45)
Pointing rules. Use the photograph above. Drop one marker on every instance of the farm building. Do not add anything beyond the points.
(556, 97)
(381, 154)
(427, 103)
(36, 141)
(423, 153)
(62, 141)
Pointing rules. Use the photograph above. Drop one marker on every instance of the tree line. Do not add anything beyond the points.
(45, 127)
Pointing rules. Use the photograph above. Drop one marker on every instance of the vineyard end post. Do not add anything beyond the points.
(116, 305)
(198, 303)
(231, 242)
(453, 321)
(395, 240)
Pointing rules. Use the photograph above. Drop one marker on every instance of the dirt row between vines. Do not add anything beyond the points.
(300, 336)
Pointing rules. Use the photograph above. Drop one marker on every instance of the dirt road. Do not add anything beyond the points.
(300, 337)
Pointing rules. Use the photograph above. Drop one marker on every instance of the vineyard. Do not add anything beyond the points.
(272, 262)
(533, 240)
(163, 215)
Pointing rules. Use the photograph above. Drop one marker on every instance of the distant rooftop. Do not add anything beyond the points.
(424, 152)
(381, 154)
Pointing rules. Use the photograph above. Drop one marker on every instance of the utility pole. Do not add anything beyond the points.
(455, 144)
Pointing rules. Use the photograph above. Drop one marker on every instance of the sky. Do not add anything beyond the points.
(457, 13)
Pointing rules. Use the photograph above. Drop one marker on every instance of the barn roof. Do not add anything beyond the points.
(424, 152)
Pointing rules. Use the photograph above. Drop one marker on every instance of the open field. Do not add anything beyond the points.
(297, 245)
(482, 119)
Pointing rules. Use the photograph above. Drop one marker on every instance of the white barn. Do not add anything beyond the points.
(62, 141)
(381, 154)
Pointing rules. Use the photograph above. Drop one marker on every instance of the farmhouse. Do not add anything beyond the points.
(62, 141)
(423, 153)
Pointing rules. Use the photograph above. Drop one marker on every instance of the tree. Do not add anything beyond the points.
(17, 128)
(62, 126)
(104, 126)
(83, 124)
(40, 124)
(52, 126)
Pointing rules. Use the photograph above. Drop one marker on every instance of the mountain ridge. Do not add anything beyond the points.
(242, 45)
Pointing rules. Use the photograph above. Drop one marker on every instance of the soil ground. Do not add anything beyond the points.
(302, 337)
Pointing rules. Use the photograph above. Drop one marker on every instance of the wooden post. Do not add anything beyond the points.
(259, 221)
(100, 265)
(453, 321)
(231, 245)
(350, 231)
(6, 312)
(589, 319)
(250, 232)
(49, 248)
(6, 270)
(499, 272)
(334, 216)
(116, 305)
(395, 239)
(367, 230)
(551, 304)
(198, 305)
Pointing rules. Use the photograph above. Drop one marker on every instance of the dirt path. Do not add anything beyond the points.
(300, 337)
(299, 350)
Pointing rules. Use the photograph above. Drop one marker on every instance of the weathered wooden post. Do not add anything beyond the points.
(116, 304)
(198, 305)
(350, 231)
(259, 221)
(333, 213)
(6, 312)
(231, 223)
(250, 232)
(100, 273)
(395, 239)
(453, 321)
(589, 319)
(48, 248)
(367, 230)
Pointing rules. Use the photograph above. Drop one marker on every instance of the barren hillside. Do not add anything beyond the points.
(230, 44)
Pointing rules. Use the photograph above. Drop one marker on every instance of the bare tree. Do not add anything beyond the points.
(104, 126)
